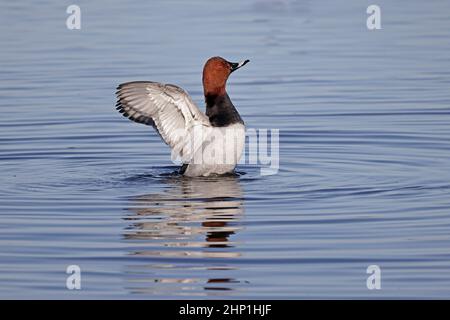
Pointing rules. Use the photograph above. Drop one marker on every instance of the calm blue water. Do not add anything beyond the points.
(364, 177)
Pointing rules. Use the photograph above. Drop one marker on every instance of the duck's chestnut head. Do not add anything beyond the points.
(215, 74)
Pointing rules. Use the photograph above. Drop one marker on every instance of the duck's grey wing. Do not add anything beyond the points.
(168, 108)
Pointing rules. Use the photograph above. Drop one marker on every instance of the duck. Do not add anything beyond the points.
(205, 144)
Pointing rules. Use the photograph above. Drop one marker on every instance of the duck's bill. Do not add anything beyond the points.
(237, 65)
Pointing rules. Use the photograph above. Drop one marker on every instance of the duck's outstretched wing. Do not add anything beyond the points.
(166, 107)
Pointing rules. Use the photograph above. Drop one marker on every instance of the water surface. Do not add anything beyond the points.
(364, 177)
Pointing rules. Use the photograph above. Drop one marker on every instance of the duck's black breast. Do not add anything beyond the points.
(221, 111)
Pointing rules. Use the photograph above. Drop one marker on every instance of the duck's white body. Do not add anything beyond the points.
(221, 149)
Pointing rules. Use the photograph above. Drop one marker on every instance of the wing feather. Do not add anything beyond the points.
(166, 107)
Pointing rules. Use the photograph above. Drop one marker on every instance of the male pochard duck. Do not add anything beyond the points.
(206, 144)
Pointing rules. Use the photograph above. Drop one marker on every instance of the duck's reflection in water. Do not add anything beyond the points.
(187, 234)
